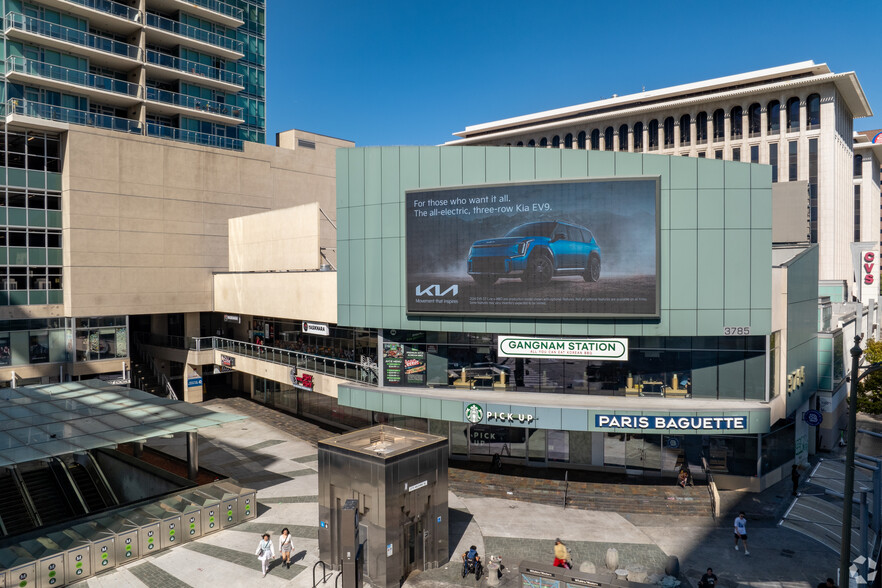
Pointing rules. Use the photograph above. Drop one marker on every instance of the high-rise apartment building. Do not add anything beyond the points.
(191, 71)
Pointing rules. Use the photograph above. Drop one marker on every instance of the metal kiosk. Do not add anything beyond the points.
(150, 520)
(228, 499)
(19, 567)
(125, 534)
(103, 552)
(399, 478)
(191, 517)
(49, 561)
(210, 507)
(247, 498)
(77, 549)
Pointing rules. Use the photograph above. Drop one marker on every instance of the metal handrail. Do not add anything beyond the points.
(72, 116)
(71, 76)
(168, 388)
(339, 368)
(15, 20)
(339, 575)
(110, 7)
(194, 137)
(194, 103)
(195, 68)
(220, 8)
(185, 30)
(709, 477)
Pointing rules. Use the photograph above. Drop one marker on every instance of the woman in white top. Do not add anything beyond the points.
(285, 547)
(265, 552)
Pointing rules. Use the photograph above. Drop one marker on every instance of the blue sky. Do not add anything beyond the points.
(413, 72)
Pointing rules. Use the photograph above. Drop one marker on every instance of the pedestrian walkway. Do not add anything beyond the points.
(275, 454)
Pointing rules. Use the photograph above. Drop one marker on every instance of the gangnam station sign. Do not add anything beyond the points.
(613, 349)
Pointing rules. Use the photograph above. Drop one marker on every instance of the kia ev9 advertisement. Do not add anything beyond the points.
(567, 248)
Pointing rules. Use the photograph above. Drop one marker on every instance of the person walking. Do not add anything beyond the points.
(741, 531)
(561, 555)
(709, 580)
(265, 552)
(285, 547)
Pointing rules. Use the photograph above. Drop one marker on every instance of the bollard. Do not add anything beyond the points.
(493, 574)
(588, 567)
(612, 558)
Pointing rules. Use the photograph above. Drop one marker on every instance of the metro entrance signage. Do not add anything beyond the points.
(610, 349)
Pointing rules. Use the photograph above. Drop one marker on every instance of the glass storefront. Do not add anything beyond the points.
(683, 367)
(350, 344)
(103, 337)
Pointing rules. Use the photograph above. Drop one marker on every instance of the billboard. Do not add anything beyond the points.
(565, 248)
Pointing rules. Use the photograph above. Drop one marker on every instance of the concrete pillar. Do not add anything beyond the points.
(645, 137)
(616, 146)
(676, 133)
(192, 455)
(138, 448)
(631, 139)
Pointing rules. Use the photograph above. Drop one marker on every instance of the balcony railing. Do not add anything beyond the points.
(178, 28)
(69, 115)
(195, 68)
(339, 368)
(219, 7)
(71, 76)
(166, 132)
(18, 21)
(111, 8)
(193, 103)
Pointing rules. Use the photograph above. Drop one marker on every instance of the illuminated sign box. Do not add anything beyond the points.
(566, 248)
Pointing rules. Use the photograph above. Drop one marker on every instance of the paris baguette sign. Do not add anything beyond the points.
(609, 349)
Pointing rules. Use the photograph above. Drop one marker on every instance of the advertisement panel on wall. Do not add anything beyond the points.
(403, 365)
(566, 248)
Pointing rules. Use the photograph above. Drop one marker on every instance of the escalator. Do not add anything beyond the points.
(92, 485)
(13, 511)
(51, 497)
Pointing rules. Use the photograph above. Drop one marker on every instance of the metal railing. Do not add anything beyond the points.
(175, 134)
(192, 67)
(71, 76)
(171, 341)
(193, 103)
(339, 368)
(711, 486)
(69, 115)
(18, 21)
(111, 8)
(197, 34)
(219, 7)
(170, 392)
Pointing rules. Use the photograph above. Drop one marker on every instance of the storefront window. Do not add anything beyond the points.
(103, 337)
(777, 447)
(348, 344)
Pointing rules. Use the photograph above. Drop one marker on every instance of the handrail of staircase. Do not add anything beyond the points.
(99, 473)
(55, 464)
(168, 388)
(711, 486)
(28, 501)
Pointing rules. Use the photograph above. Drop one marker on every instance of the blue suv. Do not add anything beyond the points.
(535, 253)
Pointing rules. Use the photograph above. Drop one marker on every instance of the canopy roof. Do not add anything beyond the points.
(38, 422)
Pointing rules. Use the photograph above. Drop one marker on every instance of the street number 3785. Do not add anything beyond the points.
(736, 331)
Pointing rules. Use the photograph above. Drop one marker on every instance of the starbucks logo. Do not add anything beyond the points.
(474, 413)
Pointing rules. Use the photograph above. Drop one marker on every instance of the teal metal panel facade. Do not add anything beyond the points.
(715, 223)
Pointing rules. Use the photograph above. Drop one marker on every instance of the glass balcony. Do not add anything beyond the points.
(69, 115)
(29, 24)
(111, 8)
(219, 7)
(192, 67)
(40, 69)
(177, 28)
(165, 132)
(194, 103)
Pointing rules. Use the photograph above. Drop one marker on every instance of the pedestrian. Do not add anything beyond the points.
(794, 477)
(709, 580)
(741, 531)
(828, 584)
(561, 555)
(265, 552)
(285, 547)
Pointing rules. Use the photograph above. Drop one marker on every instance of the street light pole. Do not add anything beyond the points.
(848, 492)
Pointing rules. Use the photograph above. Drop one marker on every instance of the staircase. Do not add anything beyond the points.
(47, 495)
(87, 487)
(143, 377)
(625, 497)
(13, 510)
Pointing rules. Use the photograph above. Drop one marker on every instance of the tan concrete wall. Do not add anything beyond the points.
(279, 240)
(308, 295)
(145, 220)
(322, 383)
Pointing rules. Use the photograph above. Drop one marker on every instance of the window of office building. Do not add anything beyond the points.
(857, 213)
(32, 150)
(532, 143)
(813, 112)
(754, 154)
(595, 139)
(685, 130)
(773, 160)
(719, 120)
(101, 338)
(858, 166)
(718, 154)
(813, 189)
(32, 341)
(793, 115)
(793, 160)
(669, 132)
(623, 138)
(638, 136)
(736, 154)
(543, 142)
(568, 141)
(555, 141)
(735, 116)
(653, 134)
(701, 128)
(773, 117)
(581, 140)
(754, 120)
(608, 139)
